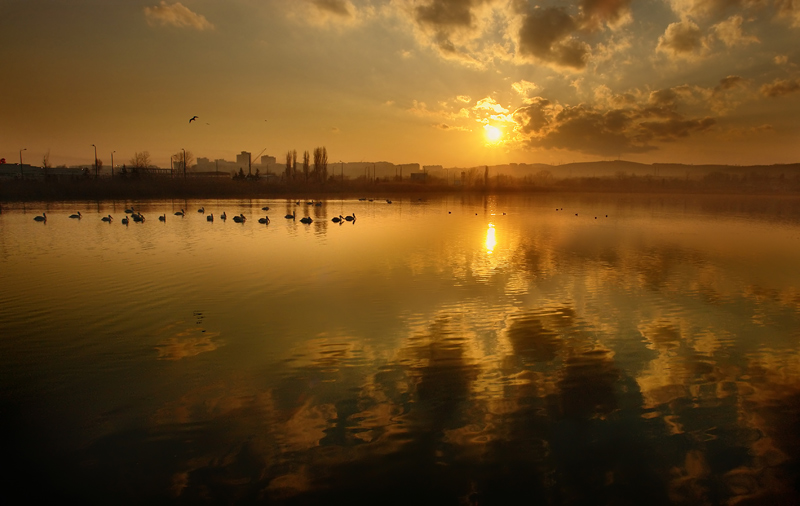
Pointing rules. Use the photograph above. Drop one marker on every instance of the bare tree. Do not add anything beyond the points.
(180, 157)
(294, 164)
(288, 171)
(140, 160)
(46, 160)
(306, 163)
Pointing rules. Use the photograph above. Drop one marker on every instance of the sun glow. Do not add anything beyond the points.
(493, 134)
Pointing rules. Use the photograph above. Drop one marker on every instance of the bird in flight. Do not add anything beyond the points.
(192, 118)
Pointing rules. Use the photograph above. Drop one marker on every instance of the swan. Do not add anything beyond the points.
(239, 219)
(224, 216)
(289, 216)
(107, 218)
(337, 219)
(129, 210)
(210, 217)
(180, 213)
(351, 218)
(163, 217)
(125, 220)
(265, 208)
(264, 220)
(201, 210)
(43, 217)
(307, 220)
(78, 216)
(137, 217)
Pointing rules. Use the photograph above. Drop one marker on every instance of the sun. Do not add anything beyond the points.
(493, 134)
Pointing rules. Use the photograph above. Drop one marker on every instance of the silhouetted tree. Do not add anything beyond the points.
(288, 171)
(294, 164)
(306, 163)
(140, 160)
(184, 163)
(46, 160)
(324, 163)
(321, 164)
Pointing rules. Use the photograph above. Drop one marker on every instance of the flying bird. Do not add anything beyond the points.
(192, 118)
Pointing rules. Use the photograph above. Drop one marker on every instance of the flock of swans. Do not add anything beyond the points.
(138, 217)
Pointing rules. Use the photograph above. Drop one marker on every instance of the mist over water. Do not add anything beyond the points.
(553, 349)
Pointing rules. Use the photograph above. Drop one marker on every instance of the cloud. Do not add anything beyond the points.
(524, 88)
(789, 10)
(672, 129)
(457, 29)
(546, 36)
(780, 88)
(464, 98)
(341, 8)
(450, 128)
(612, 12)
(781, 59)
(730, 32)
(739, 133)
(682, 40)
(701, 9)
(421, 109)
(176, 15)
(328, 13)
(580, 128)
(619, 123)
(728, 83)
(489, 104)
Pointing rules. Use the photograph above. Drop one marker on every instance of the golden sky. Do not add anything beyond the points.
(451, 82)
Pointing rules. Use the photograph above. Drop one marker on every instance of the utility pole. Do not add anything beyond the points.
(21, 174)
(95, 161)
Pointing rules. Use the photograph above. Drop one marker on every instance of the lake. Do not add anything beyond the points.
(545, 349)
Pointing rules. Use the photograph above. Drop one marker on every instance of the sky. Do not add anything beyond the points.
(436, 82)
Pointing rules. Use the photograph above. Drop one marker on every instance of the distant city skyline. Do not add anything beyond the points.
(435, 82)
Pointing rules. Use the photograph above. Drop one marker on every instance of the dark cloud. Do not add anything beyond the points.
(546, 35)
(338, 7)
(672, 129)
(533, 117)
(447, 13)
(780, 87)
(446, 20)
(580, 128)
(625, 127)
(728, 83)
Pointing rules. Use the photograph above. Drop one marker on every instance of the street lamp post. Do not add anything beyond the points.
(21, 174)
(95, 161)
(112, 164)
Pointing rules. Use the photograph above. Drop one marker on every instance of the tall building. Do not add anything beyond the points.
(243, 159)
(268, 160)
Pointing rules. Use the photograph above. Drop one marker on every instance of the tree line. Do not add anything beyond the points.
(319, 173)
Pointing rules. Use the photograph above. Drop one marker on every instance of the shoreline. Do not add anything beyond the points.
(155, 189)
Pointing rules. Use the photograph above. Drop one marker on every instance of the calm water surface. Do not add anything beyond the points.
(448, 351)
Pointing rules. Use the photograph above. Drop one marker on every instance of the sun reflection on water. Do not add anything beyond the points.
(491, 241)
